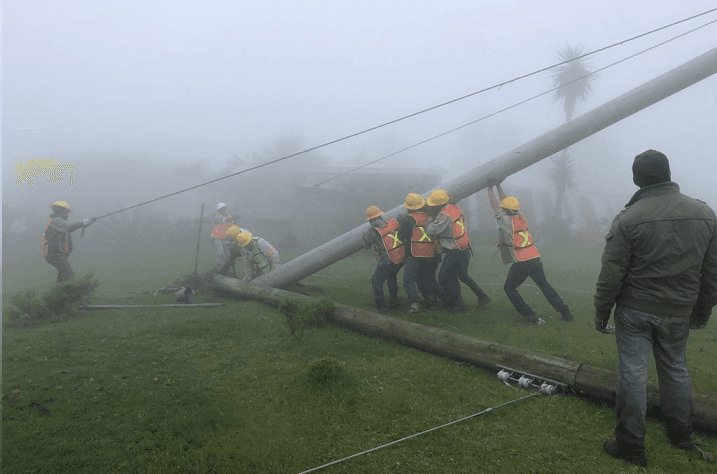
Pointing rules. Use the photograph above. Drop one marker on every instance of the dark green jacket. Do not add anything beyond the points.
(660, 255)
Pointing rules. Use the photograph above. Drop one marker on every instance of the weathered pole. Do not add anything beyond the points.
(505, 165)
(580, 377)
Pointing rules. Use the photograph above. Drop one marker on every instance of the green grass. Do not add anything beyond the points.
(230, 389)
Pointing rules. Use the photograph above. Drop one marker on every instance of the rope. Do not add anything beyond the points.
(332, 142)
(487, 410)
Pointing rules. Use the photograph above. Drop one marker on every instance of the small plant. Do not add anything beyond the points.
(325, 370)
(302, 315)
(60, 302)
(328, 377)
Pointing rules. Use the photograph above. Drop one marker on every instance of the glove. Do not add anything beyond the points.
(87, 221)
(601, 320)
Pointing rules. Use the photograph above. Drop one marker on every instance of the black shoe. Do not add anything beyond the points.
(634, 456)
(567, 316)
(484, 303)
(458, 309)
(378, 307)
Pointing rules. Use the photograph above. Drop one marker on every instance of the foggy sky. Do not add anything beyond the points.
(130, 90)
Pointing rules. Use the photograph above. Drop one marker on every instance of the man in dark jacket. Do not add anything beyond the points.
(659, 268)
(57, 240)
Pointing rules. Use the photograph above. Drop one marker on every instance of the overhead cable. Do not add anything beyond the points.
(423, 142)
(332, 142)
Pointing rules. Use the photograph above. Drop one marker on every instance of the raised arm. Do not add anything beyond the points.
(493, 200)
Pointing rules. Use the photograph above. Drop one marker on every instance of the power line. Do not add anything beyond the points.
(385, 124)
(423, 142)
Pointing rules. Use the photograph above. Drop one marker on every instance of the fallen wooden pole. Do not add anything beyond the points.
(92, 307)
(581, 378)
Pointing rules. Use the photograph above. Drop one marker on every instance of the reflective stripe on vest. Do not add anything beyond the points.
(219, 231)
(389, 236)
(421, 244)
(523, 247)
(460, 230)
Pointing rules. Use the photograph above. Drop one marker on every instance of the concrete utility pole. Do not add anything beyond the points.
(505, 165)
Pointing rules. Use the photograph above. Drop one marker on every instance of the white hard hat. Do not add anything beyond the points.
(220, 205)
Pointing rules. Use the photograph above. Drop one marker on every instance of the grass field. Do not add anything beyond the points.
(230, 390)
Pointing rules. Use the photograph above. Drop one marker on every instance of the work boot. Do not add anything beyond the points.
(629, 454)
(566, 316)
(414, 308)
(393, 303)
(378, 307)
(431, 302)
(484, 303)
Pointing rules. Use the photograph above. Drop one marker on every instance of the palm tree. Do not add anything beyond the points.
(574, 83)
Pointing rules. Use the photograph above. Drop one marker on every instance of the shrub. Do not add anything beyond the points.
(329, 378)
(301, 315)
(60, 302)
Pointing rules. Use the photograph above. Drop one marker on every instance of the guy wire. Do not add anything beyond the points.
(487, 410)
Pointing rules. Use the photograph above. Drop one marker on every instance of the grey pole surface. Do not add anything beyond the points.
(509, 163)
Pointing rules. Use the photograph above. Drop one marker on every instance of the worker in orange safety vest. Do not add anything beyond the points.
(449, 227)
(422, 254)
(57, 239)
(517, 248)
(222, 221)
(390, 256)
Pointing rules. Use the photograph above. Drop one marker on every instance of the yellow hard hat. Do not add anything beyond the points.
(232, 232)
(510, 203)
(414, 201)
(243, 238)
(62, 204)
(438, 197)
(373, 212)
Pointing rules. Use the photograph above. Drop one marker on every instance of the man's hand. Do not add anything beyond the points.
(601, 320)
(698, 321)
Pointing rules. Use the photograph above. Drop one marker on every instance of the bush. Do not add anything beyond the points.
(329, 378)
(60, 302)
(302, 315)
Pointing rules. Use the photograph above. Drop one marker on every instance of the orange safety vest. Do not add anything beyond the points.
(46, 244)
(523, 247)
(394, 247)
(421, 244)
(219, 231)
(460, 230)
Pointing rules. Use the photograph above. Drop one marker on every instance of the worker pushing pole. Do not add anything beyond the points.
(509, 163)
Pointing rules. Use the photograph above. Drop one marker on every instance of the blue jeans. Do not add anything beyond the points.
(636, 332)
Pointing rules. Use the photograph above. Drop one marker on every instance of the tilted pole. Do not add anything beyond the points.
(509, 163)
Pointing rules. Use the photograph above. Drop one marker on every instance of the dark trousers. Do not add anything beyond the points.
(421, 273)
(62, 264)
(454, 262)
(454, 268)
(517, 274)
(636, 333)
(385, 272)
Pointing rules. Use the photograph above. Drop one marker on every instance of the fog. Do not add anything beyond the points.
(147, 99)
